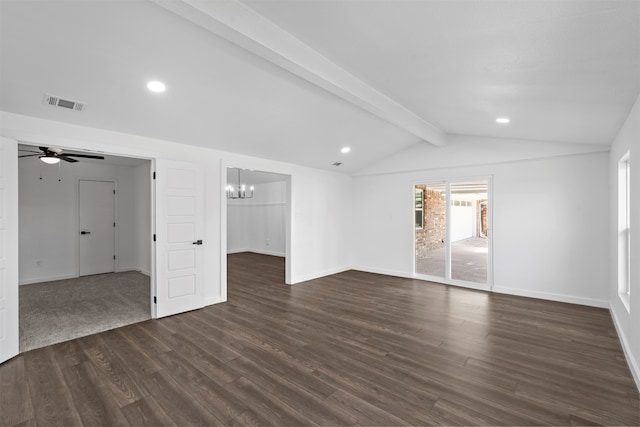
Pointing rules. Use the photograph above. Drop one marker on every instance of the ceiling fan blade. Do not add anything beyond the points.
(44, 149)
(84, 156)
(29, 151)
(66, 159)
(31, 155)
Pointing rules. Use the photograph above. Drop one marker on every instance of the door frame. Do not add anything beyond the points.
(9, 288)
(115, 219)
(448, 280)
(89, 147)
(224, 165)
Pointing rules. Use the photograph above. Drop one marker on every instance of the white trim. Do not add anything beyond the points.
(552, 297)
(498, 289)
(265, 252)
(125, 269)
(425, 278)
(625, 300)
(152, 241)
(9, 264)
(236, 251)
(75, 276)
(312, 276)
(48, 279)
(257, 251)
(453, 282)
(394, 273)
(213, 300)
(631, 361)
(224, 165)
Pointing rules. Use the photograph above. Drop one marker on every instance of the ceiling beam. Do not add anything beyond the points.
(244, 27)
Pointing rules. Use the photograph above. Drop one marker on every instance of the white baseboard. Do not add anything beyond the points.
(383, 271)
(257, 251)
(467, 285)
(499, 289)
(213, 300)
(47, 279)
(631, 361)
(312, 276)
(271, 253)
(552, 297)
(145, 272)
(237, 251)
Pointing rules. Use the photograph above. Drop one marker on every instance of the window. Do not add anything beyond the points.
(419, 208)
(624, 228)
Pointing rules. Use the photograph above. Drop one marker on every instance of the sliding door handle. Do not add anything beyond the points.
(197, 242)
(85, 232)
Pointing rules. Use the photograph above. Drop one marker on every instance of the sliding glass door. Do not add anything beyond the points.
(452, 231)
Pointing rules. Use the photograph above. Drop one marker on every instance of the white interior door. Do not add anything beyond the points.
(97, 227)
(9, 335)
(179, 233)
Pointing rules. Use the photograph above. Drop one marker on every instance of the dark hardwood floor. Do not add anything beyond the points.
(349, 349)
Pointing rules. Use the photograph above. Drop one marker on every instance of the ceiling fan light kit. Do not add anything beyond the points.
(50, 160)
(53, 155)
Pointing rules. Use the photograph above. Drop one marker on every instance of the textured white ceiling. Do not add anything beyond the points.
(564, 71)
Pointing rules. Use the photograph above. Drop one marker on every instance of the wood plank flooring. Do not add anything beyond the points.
(352, 349)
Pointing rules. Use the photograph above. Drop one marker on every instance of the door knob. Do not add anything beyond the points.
(197, 242)
(85, 232)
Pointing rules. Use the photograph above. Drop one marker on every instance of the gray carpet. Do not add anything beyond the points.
(53, 312)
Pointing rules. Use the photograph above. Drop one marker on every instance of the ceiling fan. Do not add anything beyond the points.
(52, 155)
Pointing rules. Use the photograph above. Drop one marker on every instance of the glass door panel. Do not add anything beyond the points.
(468, 230)
(430, 229)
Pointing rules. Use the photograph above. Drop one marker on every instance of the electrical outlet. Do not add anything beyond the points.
(267, 242)
(38, 263)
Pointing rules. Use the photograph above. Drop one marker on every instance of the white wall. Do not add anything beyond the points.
(464, 151)
(142, 217)
(627, 323)
(258, 224)
(321, 210)
(48, 211)
(548, 239)
(320, 237)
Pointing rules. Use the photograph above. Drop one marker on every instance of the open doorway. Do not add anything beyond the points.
(452, 231)
(257, 222)
(84, 243)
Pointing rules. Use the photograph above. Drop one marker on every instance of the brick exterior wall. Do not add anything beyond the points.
(433, 233)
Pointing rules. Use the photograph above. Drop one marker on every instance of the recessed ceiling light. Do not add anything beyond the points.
(503, 120)
(345, 150)
(156, 86)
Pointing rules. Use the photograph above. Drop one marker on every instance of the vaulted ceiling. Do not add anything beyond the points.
(298, 80)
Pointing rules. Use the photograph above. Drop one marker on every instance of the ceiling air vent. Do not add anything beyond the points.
(56, 101)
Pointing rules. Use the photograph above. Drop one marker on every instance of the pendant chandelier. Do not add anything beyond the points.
(239, 192)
